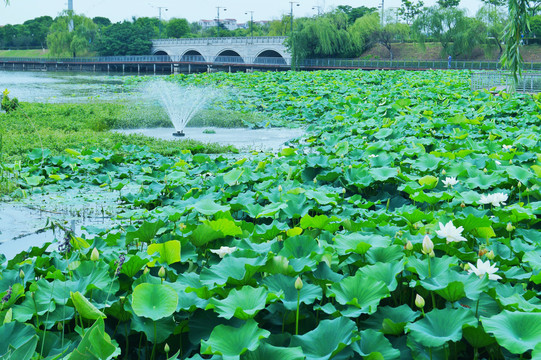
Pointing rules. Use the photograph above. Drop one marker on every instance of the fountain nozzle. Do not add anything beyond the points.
(179, 133)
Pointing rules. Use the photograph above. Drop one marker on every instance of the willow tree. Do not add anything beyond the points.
(71, 35)
(514, 31)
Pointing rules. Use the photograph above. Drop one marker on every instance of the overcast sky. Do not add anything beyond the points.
(117, 10)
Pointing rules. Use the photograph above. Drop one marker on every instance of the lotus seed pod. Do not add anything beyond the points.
(509, 227)
(21, 274)
(462, 205)
(482, 252)
(161, 272)
(95, 255)
(490, 255)
(409, 246)
(298, 283)
(166, 348)
(419, 301)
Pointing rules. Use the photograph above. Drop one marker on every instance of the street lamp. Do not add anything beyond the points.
(160, 18)
(319, 9)
(291, 15)
(382, 6)
(218, 27)
(251, 23)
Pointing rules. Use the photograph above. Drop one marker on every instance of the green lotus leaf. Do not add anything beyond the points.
(285, 284)
(204, 234)
(271, 209)
(374, 345)
(267, 351)
(163, 327)
(30, 307)
(428, 181)
(359, 243)
(483, 181)
(232, 177)
(386, 254)
(84, 307)
(383, 173)
(146, 232)
(230, 268)
(518, 173)
(243, 304)
(17, 339)
(321, 197)
(391, 320)
(231, 342)
(169, 251)
(383, 133)
(518, 332)
(327, 340)
(438, 266)
(477, 337)
(362, 292)
(154, 301)
(208, 206)
(440, 326)
(385, 272)
(96, 344)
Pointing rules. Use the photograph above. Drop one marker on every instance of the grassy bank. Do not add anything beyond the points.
(78, 126)
(32, 53)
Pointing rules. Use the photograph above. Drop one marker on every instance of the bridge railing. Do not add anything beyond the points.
(221, 40)
(277, 61)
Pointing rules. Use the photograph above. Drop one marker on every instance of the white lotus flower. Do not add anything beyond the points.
(495, 199)
(450, 181)
(497, 162)
(507, 147)
(483, 268)
(223, 251)
(372, 156)
(450, 232)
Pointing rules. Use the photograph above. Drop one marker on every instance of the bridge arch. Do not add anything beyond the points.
(229, 56)
(161, 52)
(192, 55)
(270, 56)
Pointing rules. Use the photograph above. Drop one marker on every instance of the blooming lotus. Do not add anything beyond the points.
(450, 232)
(223, 251)
(450, 181)
(495, 199)
(483, 268)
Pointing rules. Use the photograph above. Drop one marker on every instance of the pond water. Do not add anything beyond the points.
(27, 222)
(59, 87)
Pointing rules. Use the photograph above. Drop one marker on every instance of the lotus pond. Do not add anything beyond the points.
(404, 224)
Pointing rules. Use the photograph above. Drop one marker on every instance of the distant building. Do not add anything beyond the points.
(229, 24)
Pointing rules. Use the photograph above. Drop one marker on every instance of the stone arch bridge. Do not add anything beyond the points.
(242, 50)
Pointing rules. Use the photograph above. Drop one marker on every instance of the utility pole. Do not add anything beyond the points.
(382, 12)
(70, 14)
(218, 27)
(251, 23)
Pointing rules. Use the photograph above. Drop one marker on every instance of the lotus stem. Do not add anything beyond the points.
(154, 346)
(297, 317)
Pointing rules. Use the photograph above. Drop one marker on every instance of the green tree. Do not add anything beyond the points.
(495, 19)
(38, 29)
(516, 27)
(410, 10)
(448, 3)
(387, 35)
(363, 30)
(101, 21)
(177, 28)
(126, 38)
(354, 13)
(65, 40)
(457, 33)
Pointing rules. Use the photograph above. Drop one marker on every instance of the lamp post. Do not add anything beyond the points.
(319, 9)
(382, 12)
(160, 18)
(218, 24)
(291, 15)
(251, 23)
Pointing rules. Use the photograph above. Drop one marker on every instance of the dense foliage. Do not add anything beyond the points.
(404, 224)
